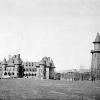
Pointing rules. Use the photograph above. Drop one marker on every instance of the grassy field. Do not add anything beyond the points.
(32, 89)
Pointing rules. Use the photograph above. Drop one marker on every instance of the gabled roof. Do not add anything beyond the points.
(42, 62)
(4, 61)
(52, 64)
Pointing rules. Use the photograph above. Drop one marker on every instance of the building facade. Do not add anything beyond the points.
(11, 68)
(42, 70)
(14, 67)
(95, 64)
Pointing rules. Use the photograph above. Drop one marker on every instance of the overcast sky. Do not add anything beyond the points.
(61, 29)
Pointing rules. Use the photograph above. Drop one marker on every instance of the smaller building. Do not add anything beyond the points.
(85, 76)
(70, 76)
(57, 76)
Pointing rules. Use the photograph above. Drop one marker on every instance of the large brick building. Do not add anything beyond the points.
(14, 67)
(95, 65)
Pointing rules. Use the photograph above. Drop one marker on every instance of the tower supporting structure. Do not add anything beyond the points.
(95, 64)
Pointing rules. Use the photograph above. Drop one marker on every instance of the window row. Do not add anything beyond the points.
(8, 73)
(31, 69)
(29, 64)
(28, 74)
(9, 69)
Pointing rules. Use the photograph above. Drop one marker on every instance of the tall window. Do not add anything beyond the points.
(9, 73)
(30, 69)
(26, 69)
(35, 74)
(12, 73)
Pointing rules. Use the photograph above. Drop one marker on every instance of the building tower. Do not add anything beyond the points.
(41, 72)
(51, 70)
(17, 63)
(4, 65)
(95, 64)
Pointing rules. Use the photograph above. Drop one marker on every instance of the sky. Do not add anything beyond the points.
(61, 29)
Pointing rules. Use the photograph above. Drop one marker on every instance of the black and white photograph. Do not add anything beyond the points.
(49, 49)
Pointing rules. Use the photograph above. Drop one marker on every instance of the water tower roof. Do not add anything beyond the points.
(97, 39)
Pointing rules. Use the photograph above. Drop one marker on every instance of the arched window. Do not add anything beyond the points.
(12, 73)
(9, 73)
(5, 73)
(35, 74)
